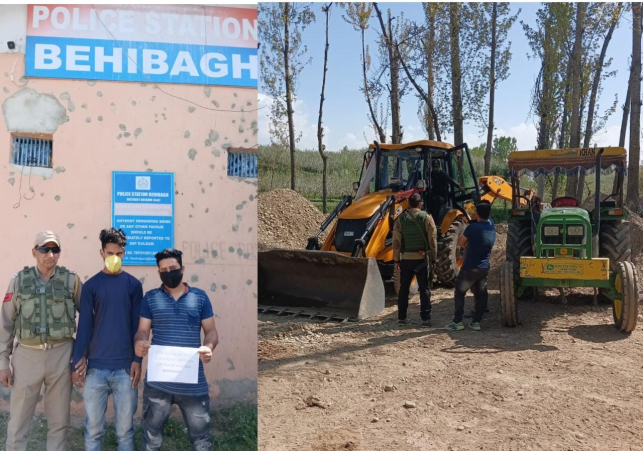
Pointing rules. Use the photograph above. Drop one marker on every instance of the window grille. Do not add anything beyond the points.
(242, 164)
(29, 151)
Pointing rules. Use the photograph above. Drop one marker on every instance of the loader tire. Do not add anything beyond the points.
(413, 290)
(449, 263)
(625, 310)
(508, 301)
(615, 244)
(519, 245)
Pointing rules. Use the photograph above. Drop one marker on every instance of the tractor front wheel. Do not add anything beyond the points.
(626, 301)
(508, 302)
(519, 238)
(450, 255)
(616, 245)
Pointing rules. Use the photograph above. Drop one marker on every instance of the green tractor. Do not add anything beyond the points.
(570, 245)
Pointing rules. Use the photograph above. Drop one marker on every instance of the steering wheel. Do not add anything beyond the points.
(611, 195)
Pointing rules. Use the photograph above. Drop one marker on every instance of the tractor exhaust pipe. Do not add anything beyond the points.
(597, 205)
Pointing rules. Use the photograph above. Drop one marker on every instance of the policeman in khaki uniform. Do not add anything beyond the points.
(39, 310)
(415, 250)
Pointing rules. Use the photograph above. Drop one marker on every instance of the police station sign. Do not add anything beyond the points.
(205, 45)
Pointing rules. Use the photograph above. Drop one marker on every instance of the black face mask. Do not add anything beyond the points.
(172, 279)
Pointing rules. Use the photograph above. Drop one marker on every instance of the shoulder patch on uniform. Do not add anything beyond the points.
(7, 297)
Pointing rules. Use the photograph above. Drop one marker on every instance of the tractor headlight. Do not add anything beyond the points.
(575, 230)
(552, 231)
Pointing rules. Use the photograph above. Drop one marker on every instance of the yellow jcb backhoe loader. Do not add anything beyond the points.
(342, 279)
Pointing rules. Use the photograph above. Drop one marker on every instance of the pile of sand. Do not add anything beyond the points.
(286, 220)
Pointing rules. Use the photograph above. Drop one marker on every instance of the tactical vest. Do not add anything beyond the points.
(45, 314)
(414, 232)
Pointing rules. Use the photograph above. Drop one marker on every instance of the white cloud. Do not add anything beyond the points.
(264, 105)
(303, 125)
(355, 140)
(609, 137)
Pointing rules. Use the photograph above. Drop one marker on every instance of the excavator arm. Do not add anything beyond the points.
(494, 187)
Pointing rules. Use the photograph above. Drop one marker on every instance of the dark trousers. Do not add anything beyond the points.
(157, 406)
(476, 280)
(407, 271)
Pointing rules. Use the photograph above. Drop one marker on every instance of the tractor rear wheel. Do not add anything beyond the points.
(450, 255)
(519, 245)
(615, 244)
(625, 309)
(413, 290)
(508, 301)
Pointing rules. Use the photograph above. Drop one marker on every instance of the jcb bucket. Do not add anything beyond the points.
(326, 282)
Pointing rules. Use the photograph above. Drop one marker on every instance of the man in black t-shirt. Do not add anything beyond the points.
(440, 182)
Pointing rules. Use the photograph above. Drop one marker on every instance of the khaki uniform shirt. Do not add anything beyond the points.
(10, 308)
(431, 233)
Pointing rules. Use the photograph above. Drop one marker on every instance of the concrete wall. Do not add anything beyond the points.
(99, 127)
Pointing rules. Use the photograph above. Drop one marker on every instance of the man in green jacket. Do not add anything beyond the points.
(39, 309)
(415, 250)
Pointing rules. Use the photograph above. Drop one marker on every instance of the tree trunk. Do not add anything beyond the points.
(597, 77)
(492, 90)
(456, 74)
(288, 81)
(394, 74)
(320, 130)
(626, 112)
(430, 51)
(618, 178)
(396, 127)
(635, 113)
(562, 140)
(380, 132)
(574, 140)
(543, 128)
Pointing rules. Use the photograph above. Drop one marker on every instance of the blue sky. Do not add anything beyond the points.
(345, 110)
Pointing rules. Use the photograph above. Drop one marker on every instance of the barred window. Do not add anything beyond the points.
(242, 163)
(32, 151)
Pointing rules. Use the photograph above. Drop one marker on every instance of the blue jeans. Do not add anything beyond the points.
(98, 386)
(476, 280)
(157, 406)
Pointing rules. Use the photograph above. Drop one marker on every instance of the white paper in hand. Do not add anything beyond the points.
(173, 364)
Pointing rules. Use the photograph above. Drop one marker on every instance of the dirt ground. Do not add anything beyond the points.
(565, 379)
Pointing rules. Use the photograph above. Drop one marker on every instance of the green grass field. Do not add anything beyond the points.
(344, 169)
(233, 429)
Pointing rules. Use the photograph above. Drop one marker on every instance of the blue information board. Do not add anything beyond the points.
(143, 206)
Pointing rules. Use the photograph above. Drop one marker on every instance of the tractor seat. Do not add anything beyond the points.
(565, 201)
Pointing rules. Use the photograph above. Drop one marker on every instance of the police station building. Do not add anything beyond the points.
(142, 118)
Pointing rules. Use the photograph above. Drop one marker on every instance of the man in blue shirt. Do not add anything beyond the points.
(176, 313)
(109, 309)
(479, 237)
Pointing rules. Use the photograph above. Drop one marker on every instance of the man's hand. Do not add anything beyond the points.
(6, 378)
(397, 266)
(141, 347)
(135, 374)
(205, 354)
(81, 367)
(77, 379)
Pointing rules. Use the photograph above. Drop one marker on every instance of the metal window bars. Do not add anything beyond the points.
(242, 164)
(35, 152)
